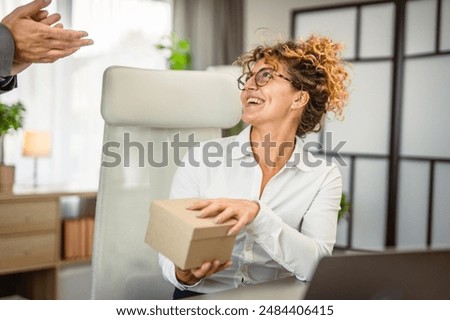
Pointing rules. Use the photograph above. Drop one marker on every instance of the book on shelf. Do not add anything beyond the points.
(90, 236)
(78, 238)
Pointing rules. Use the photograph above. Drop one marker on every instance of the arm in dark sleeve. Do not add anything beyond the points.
(6, 51)
(7, 82)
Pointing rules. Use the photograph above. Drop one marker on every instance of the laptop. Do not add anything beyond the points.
(418, 275)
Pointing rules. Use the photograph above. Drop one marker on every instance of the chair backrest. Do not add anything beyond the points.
(144, 112)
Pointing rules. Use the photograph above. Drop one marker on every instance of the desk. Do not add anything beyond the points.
(283, 289)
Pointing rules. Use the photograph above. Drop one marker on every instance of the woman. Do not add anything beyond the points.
(285, 201)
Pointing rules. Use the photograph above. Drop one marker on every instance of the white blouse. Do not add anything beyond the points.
(297, 221)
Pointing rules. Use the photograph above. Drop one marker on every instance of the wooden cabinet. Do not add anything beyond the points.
(29, 235)
(31, 242)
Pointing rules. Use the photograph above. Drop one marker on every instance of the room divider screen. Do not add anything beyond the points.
(396, 129)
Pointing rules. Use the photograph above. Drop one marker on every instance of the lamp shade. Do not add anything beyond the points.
(36, 144)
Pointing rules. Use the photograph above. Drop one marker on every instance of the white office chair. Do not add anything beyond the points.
(144, 111)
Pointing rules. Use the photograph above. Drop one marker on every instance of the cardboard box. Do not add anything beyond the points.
(185, 239)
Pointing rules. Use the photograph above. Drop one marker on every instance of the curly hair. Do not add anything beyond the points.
(314, 66)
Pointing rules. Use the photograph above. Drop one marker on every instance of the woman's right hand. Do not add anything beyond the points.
(192, 276)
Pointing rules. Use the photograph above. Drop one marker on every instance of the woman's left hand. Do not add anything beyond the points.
(244, 211)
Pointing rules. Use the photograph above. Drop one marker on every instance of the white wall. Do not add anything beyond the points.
(265, 20)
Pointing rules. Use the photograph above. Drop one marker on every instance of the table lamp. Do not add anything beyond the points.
(36, 144)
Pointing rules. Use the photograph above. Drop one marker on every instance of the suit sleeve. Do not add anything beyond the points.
(6, 51)
(7, 82)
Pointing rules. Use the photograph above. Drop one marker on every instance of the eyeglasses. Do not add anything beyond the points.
(262, 77)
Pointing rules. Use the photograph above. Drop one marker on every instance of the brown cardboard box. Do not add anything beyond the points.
(185, 239)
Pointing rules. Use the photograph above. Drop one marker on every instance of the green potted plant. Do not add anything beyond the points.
(180, 51)
(345, 207)
(11, 119)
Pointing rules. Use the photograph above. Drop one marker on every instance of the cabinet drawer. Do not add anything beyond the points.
(28, 216)
(21, 252)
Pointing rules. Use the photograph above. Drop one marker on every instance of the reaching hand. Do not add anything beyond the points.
(244, 211)
(36, 40)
